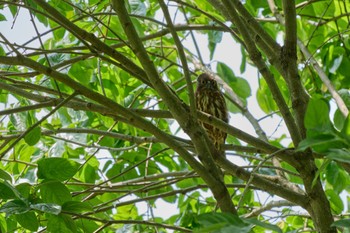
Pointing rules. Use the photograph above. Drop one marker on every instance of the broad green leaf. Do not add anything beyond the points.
(28, 220)
(61, 223)
(127, 211)
(14, 207)
(239, 85)
(82, 72)
(2, 53)
(87, 225)
(33, 136)
(262, 224)
(338, 119)
(49, 208)
(7, 191)
(2, 17)
(336, 202)
(24, 189)
(336, 177)
(336, 63)
(345, 131)
(53, 191)
(320, 143)
(317, 115)
(3, 224)
(342, 155)
(222, 222)
(76, 206)
(57, 168)
(5, 175)
(342, 223)
(225, 72)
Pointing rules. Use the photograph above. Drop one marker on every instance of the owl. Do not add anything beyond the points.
(209, 99)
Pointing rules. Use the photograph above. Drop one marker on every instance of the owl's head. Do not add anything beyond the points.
(205, 82)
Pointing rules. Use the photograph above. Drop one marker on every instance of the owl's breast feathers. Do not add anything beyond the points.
(212, 102)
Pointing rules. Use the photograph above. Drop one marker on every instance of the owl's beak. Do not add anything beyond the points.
(209, 86)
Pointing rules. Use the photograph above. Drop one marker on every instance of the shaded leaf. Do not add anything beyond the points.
(53, 191)
(76, 206)
(61, 223)
(342, 155)
(57, 168)
(316, 116)
(263, 224)
(342, 223)
(14, 207)
(5, 175)
(28, 220)
(222, 222)
(33, 136)
(7, 191)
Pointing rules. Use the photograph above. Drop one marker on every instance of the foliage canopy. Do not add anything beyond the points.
(99, 125)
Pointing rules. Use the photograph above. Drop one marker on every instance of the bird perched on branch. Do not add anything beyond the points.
(210, 100)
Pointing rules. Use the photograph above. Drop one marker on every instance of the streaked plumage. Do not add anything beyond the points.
(210, 100)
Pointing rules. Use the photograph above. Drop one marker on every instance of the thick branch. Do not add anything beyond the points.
(260, 182)
(289, 59)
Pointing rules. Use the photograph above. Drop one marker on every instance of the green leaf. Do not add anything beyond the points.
(336, 203)
(342, 223)
(242, 67)
(222, 222)
(33, 136)
(14, 207)
(320, 143)
(3, 224)
(82, 72)
(5, 175)
(2, 17)
(61, 223)
(317, 115)
(49, 208)
(53, 191)
(127, 211)
(28, 220)
(57, 168)
(76, 206)
(336, 177)
(336, 63)
(345, 131)
(2, 53)
(225, 72)
(338, 119)
(342, 155)
(7, 191)
(239, 85)
(320, 170)
(262, 224)
(24, 190)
